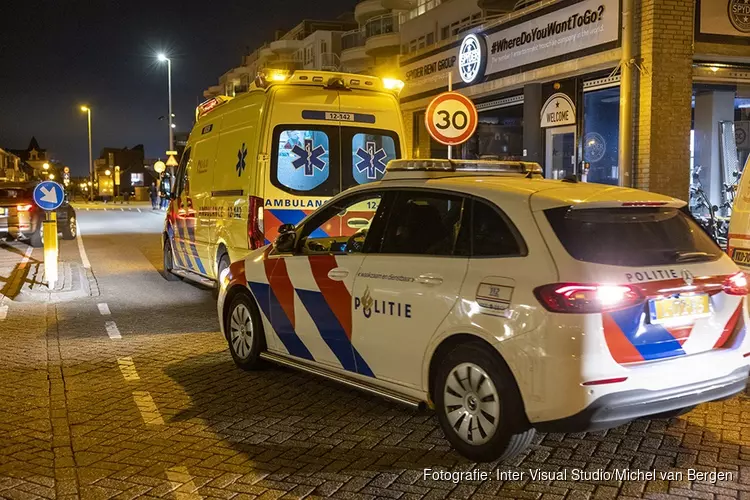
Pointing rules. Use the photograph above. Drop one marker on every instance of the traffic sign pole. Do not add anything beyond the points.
(49, 232)
(450, 89)
(49, 196)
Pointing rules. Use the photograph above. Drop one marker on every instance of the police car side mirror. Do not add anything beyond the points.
(286, 228)
(285, 242)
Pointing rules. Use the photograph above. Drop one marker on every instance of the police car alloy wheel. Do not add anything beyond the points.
(479, 406)
(244, 332)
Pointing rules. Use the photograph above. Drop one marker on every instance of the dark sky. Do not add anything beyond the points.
(57, 54)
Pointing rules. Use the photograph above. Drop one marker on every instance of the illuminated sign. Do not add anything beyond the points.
(471, 58)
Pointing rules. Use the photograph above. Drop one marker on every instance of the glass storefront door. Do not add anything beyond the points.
(561, 152)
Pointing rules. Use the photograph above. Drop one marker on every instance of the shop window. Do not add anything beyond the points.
(136, 179)
(499, 136)
(601, 132)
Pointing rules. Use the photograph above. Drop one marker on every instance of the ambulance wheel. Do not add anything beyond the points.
(169, 262)
(244, 330)
(222, 263)
(479, 406)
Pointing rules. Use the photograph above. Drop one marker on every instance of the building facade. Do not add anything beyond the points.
(133, 174)
(12, 168)
(546, 80)
(311, 44)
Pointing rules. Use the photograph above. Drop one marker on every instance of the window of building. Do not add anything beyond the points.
(499, 135)
(430, 39)
(413, 46)
(136, 179)
(454, 28)
(323, 47)
(445, 32)
(421, 43)
(601, 132)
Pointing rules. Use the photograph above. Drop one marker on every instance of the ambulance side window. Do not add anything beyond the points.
(181, 177)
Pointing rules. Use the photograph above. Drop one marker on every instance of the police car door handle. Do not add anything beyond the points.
(429, 279)
(338, 274)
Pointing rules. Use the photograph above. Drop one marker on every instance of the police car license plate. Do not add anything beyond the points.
(741, 257)
(683, 307)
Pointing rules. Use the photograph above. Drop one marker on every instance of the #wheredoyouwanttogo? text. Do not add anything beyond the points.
(594, 475)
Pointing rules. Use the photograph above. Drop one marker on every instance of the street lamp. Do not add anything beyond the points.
(163, 58)
(108, 172)
(45, 166)
(52, 177)
(87, 110)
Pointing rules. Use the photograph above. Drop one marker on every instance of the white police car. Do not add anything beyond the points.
(507, 302)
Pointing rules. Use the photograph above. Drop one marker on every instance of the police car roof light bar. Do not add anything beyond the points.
(466, 166)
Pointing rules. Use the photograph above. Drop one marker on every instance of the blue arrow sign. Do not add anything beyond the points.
(49, 195)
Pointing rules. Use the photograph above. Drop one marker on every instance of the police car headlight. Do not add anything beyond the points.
(224, 279)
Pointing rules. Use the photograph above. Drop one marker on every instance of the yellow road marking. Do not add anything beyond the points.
(181, 479)
(147, 407)
(127, 367)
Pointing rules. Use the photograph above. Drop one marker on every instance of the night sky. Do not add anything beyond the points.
(58, 54)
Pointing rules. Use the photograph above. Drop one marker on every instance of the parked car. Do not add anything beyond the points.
(21, 218)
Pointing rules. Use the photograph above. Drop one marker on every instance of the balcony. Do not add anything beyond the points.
(367, 9)
(353, 52)
(382, 38)
(330, 61)
(285, 46)
(401, 4)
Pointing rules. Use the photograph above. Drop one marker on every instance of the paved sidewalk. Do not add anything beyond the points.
(139, 206)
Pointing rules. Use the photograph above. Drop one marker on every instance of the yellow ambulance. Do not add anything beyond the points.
(270, 157)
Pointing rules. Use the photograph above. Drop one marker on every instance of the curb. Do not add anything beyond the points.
(74, 280)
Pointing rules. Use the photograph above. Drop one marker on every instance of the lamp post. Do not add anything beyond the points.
(91, 159)
(163, 58)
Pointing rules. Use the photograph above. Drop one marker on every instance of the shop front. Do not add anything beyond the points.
(546, 82)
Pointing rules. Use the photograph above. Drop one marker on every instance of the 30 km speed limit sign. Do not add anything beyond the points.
(451, 118)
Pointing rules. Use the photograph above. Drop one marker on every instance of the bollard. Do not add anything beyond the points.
(49, 233)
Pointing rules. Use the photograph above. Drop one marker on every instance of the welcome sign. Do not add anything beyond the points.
(723, 21)
(563, 31)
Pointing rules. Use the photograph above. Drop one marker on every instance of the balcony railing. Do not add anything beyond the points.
(330, 61)
(353, 39)
(382, 25)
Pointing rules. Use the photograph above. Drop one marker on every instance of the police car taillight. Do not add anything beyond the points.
(736, 284)
(587, 298)
(255, 231)
(26, 207)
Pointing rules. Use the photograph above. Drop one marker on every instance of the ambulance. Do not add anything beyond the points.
(271, 156)
(738, 244)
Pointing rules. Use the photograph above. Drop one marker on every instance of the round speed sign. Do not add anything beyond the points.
(451, 118)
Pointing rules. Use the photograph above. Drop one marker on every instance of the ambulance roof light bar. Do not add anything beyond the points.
(209, 105)
(427, 166)
(329, 79)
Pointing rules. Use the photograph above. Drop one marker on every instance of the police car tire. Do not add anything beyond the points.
(167, 266)
(258, 342)
(514, 433)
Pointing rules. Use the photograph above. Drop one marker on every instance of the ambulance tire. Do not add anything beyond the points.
(244, 332)
(70, 229)
(221, 264)
(168, 261)
(491, 399)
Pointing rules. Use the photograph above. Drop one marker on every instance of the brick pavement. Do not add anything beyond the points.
(74, 424)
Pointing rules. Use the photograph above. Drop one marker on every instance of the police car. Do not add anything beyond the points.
(506, 302)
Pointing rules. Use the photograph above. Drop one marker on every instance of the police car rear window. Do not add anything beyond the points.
(631, 236)
(12, 193)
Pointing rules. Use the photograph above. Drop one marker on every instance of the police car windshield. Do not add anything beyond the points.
(312, 160)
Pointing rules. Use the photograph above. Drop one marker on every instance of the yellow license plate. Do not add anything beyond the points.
(741, 257)
(683, 307)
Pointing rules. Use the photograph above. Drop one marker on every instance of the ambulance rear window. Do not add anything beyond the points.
(302, 159)
(322, 160)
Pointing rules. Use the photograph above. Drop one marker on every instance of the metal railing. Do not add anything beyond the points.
(352, 39)
(330, 61)
(382, 25)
